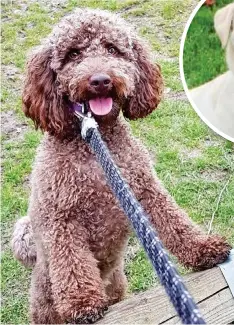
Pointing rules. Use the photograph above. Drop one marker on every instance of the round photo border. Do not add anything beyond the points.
(182, 76)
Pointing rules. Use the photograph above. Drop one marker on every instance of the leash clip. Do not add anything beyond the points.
(81, 115)
(87, 122)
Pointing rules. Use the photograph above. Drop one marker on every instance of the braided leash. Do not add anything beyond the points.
(173, 284)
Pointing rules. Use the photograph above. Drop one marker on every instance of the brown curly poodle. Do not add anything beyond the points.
(75, 233)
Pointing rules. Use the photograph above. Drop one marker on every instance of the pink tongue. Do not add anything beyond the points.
(101, 106)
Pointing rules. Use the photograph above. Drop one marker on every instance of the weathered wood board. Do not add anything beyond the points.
(208, 288)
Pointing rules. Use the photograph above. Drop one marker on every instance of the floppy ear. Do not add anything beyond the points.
(148, 86)
(41, 101)
(223, 21)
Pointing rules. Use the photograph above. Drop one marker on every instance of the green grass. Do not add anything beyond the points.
(18, 157)
(140, 272)
(15, 304)
(193, 162)
(203, 58)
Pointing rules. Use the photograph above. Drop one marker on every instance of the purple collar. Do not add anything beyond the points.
(78, 107)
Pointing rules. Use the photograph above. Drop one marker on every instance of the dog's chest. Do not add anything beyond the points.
(72, 176)
(98, 209)
(93, 186)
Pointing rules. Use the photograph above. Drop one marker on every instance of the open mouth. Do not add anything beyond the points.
(99, 106)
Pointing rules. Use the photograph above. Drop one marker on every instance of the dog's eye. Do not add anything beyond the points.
(112, 50)
(73, 54)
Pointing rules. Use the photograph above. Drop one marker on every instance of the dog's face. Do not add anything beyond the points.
(97, 65)
(93, 58)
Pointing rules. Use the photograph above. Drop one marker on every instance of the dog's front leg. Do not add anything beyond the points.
(186, 241)
(77, 288)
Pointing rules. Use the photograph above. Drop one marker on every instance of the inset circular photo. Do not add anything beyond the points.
(207, 64)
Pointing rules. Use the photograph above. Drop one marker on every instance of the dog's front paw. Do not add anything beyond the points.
(210, 252)
(87, 316)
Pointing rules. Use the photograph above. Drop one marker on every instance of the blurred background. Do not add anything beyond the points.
(203, 58)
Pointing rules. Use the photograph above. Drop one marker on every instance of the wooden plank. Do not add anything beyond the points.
(206, 283)
(153, 306)
(217, 309)
(145, 308)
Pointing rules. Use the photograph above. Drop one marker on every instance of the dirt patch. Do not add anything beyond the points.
(180, 95)
(11, 72)
(12, 80)
(214, 176)
(211, 142)
(190, 154)
(12, 128)
(52, 6)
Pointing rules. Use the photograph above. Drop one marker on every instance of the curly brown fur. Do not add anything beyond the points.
(79, 230)
(23, 245)
(55, 77)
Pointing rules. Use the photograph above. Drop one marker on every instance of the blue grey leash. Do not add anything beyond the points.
(173, 284)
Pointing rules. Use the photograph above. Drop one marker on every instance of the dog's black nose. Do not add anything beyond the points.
(100, 82)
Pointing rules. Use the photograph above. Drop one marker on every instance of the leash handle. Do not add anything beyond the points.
(169, 278)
